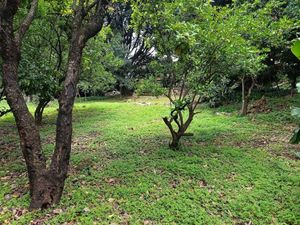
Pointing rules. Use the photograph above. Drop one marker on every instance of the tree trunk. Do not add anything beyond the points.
(174, 144)
(49, 187)
(244, 109)
(61, 157)
(46, 184)
(47, 190)
(246, 97)
(29, 135)
(182, 128)
(293, 85)
(38, 114)
(126, 92)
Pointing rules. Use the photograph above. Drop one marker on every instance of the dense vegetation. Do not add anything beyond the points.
(221, 80)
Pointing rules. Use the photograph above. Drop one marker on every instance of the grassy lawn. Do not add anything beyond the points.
(234, 170)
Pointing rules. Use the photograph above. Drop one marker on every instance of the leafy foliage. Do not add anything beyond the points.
(99, 65)
(296, 49)
(150, 86)
(200, 48)
(296, 111)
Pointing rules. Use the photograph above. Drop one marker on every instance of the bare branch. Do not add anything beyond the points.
(4, 112)
(97, 21)
(27, 21)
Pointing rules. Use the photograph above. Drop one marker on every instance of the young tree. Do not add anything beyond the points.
(262, 24)
(46, 183)
(199, 47)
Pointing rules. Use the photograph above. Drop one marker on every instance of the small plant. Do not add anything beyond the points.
(150, 86)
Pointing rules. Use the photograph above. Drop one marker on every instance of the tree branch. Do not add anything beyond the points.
(26, 22)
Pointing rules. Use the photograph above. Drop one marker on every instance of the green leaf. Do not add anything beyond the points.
(296, 112)
(296, 49)
(297, 154)
(296, 136)
(298, 87)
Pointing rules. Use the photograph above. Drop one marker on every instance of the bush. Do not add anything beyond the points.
(150, 87)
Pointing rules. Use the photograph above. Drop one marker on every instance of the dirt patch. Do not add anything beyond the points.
(260, 106)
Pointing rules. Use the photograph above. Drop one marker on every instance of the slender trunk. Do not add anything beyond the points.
(244, 109)
(182, 128)
(245, 104)
(293, 85)
(246, 96)
(3, 112)
(38, 114)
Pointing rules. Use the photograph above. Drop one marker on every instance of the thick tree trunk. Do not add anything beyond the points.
(47, 190)
(30, 143)
(29, 135)
(46, 184)
(38, 114)
(174, 144)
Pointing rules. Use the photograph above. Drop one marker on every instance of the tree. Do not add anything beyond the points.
(266, 32)
(131, 46)
(99, 65)
(43, 58)
(46, 183)
(200, 48)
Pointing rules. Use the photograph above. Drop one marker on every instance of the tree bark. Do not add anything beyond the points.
(182, 128)
(46, 183)
(246, 96)
(29, 135)
(244, 109)
(38, 114)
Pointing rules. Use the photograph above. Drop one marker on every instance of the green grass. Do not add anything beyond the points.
(234, 170)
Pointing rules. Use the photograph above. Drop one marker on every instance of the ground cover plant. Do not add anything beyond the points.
(234, 170)
(92, 90)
